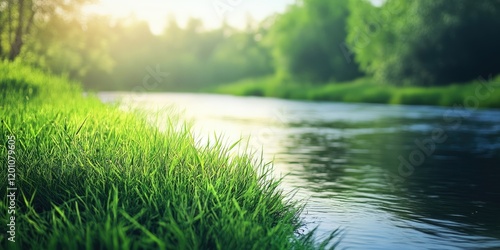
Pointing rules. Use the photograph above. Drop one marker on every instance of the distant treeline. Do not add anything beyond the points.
(401, 42)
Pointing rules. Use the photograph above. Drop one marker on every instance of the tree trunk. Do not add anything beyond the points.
(1, 47)
(15, 48)
(1, 31)
(27, 30)
(9, 16)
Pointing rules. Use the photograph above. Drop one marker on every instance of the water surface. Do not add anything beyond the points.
(345, 160)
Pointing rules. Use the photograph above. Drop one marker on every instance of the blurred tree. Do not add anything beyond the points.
(133, 49)
(198, 58)
(66, 45)
(307, 39)
(241, 54)
(426, 42)
(18, 17)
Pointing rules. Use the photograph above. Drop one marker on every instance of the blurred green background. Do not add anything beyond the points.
(302, 52)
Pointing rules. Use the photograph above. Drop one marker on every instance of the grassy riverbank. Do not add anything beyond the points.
(89, 176)
(485, 92)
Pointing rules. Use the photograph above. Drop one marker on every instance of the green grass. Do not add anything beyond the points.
(366, 90)
(90, 176)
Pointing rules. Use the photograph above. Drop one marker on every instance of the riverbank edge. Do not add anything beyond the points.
(480, 93)
(89, 175)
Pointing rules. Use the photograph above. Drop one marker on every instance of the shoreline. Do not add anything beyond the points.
(96, 176)
(365, 90)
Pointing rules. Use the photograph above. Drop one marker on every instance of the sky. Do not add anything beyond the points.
(212, 12)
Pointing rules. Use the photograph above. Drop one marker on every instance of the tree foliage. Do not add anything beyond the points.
(426, 42)
(18, 19)
(414, 42)
(195, 58)
(306, 42)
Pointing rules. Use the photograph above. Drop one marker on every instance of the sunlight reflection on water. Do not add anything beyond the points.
(338, 157)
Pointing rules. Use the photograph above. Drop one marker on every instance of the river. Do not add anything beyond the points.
(391, 177)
